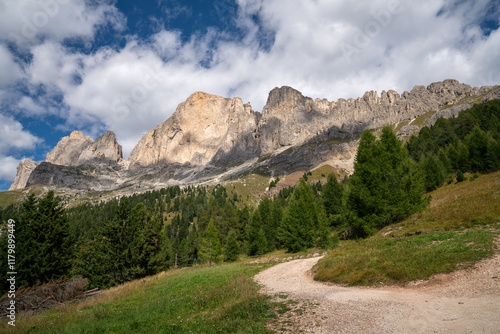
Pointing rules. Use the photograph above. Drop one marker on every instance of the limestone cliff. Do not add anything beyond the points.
(207, 134)
(77, 149)
(202, 127)
(289, 118)
(24, 169)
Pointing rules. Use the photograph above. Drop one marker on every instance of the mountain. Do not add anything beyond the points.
(209, 136)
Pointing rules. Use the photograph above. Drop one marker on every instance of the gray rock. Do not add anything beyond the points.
(448, 113)
(77, 149)
(408, 130)
(24, 170)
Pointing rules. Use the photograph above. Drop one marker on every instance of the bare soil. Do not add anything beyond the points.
(465, 301)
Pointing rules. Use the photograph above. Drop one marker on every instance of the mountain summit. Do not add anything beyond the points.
(208, 135)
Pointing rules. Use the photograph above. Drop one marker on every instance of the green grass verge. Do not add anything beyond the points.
(390, 260)
(221, 299)
(457, 230)
(456, 206)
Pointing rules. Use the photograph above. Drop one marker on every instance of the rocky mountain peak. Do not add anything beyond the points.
(202, 127)
(283, 96)
(77, 149)
(207, 133)
(24, 169)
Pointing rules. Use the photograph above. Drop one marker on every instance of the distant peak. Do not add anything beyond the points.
(77, 135)
(281, 95)
(202, 96)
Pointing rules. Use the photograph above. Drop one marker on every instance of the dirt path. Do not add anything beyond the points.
(466, 301)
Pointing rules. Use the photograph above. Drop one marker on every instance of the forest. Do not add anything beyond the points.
(132, 237)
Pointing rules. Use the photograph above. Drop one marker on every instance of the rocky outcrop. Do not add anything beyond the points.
(289, 118)
(24, 169)
(448, 113)
(408, 130)
(77, 149)
(203, 127)
(207, 134)
(104, 149)
(495, 94)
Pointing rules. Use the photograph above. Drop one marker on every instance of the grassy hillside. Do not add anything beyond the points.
(222, 299)
(457, 229)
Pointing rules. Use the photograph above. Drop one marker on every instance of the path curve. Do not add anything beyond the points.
(466, 301)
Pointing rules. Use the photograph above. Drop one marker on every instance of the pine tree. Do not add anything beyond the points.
(231, 251)
(332, 195)
(43, 234)
(435, 172)
(210, 249)
(324, 239)
(386, 185)
(256, 237)
(298, 229)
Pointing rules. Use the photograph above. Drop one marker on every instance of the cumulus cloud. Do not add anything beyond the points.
(9, 69)
(8, 166)
(13, 138)
(323, 48)
(26, 22)
(12, 135)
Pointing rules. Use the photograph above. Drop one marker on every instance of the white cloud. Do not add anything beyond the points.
(8, 166)
(12, 135)
(10, 71)
(26, 22)
(323, 48)
(13, 138)
(28, 107)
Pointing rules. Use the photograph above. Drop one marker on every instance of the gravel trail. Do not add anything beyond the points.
(466, 301)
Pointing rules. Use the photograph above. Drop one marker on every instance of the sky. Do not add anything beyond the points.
(124, 65)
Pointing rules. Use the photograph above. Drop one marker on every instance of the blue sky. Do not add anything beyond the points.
(97, 65)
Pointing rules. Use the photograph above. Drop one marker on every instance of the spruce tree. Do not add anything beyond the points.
(298, 229)
(210, 248)
(332, 195)
(256, 237)
(43, 235)
(386, 185)
(231, 251)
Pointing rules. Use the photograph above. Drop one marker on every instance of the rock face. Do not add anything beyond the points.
(24, 169)
(448, 113)
(201, 128)
(289, 118)
(77, 149)
(207, 134)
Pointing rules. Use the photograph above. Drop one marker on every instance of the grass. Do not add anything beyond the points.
(221, 299)
(457, 230)
(454, 206)
(390, 260)
(338, 140)
(16, 196)
(249, 188)
(422, 120)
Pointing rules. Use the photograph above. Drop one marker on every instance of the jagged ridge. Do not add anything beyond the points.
(208, 130)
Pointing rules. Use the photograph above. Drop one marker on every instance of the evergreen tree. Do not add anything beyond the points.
(256, 237)
(477, 144)
(299, 226)
(231, 251)
(386, 185)
(324, 239)
(332, 195)
(210, 249)
(43, 235)
(183, 254)
(435, 172)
